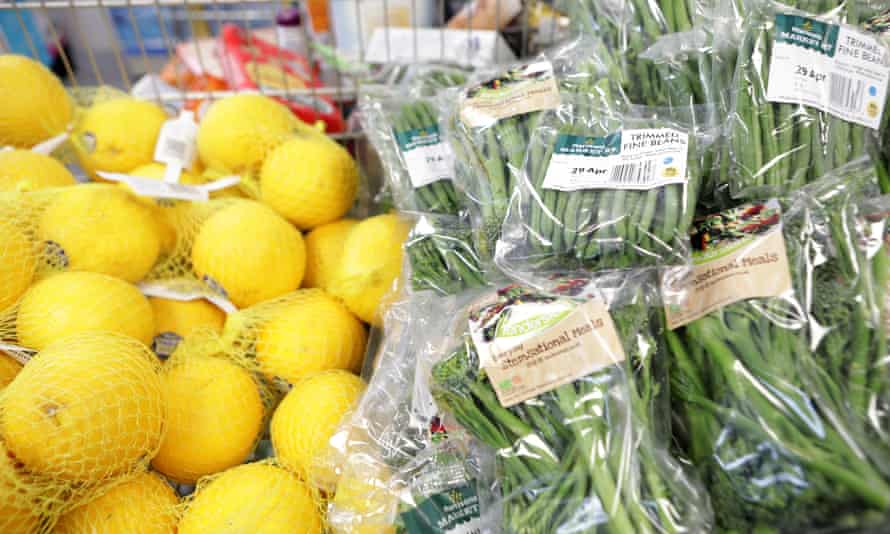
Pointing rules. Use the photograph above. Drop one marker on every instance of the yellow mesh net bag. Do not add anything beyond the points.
(176, 318)
(298, 334)
(305, 420)
(82, 99)
(240, 248)
(26, 170)
(216, 409)
(236, 134)
(260, 498)
(99, 237)
(370, 263)
(69, 303)
(309, 195)
(88, 227)
(85, 410)
(35, 103)
(19, 252)
(116, 134)
(144, 504)
(29, 504)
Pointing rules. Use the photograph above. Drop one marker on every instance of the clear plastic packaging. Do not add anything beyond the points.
(605, 188)
(693, 69)
(778, 143)
(872, 241)
(773, 387)
(629, 27)
(404, 467)
(441, 256)
(491, 120)
(587, 452)
(404, 128)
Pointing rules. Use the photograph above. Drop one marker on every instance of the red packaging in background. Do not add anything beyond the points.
(257, 64)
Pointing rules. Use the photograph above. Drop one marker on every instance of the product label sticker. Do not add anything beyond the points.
(427, 157)
(737, 254)
(831, 67)
(524, 89)
(530, 344)
(162, 189)
(176, 141)
(185, 290)
(454, 511)
(165, 343)
(628, 159)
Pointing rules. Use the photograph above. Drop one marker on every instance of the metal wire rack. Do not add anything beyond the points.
(105, 42)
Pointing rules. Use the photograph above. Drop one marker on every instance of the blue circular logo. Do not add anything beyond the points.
(668, 160)
(872, 90)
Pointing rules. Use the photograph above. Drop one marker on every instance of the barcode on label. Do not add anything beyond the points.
(175, 147)
(638, 173)
(846, 93)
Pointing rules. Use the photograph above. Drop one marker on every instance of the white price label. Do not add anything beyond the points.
(185, 290)
(176, 146)
(427, 158)
(628, 159)
(147, 187)
(831, 67)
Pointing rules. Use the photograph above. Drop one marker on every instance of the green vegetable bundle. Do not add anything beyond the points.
(773, 392)
(550, 230)
(674, 54)
(629, 28)
(779, 147)
(429, 80)
(441, 256)
(391, 119)
(586, 456)
(490, 158)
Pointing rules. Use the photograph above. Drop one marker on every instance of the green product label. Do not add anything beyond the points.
(807, 33)
(443, 512)
(595, 147)
(418, 137)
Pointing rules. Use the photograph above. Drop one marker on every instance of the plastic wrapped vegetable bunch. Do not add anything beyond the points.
(629, 27)
(775, 351)
(569, 393)
(404, 128)
(490, 123)
(603, 188)
(402, 467)
(807, 92)
(441, 255)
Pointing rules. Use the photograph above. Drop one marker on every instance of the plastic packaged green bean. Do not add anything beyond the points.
(567, 390)
(440, 256)
(404, 128)
(778, 349)
(605, 188)
(492, 119)
(810, 89)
